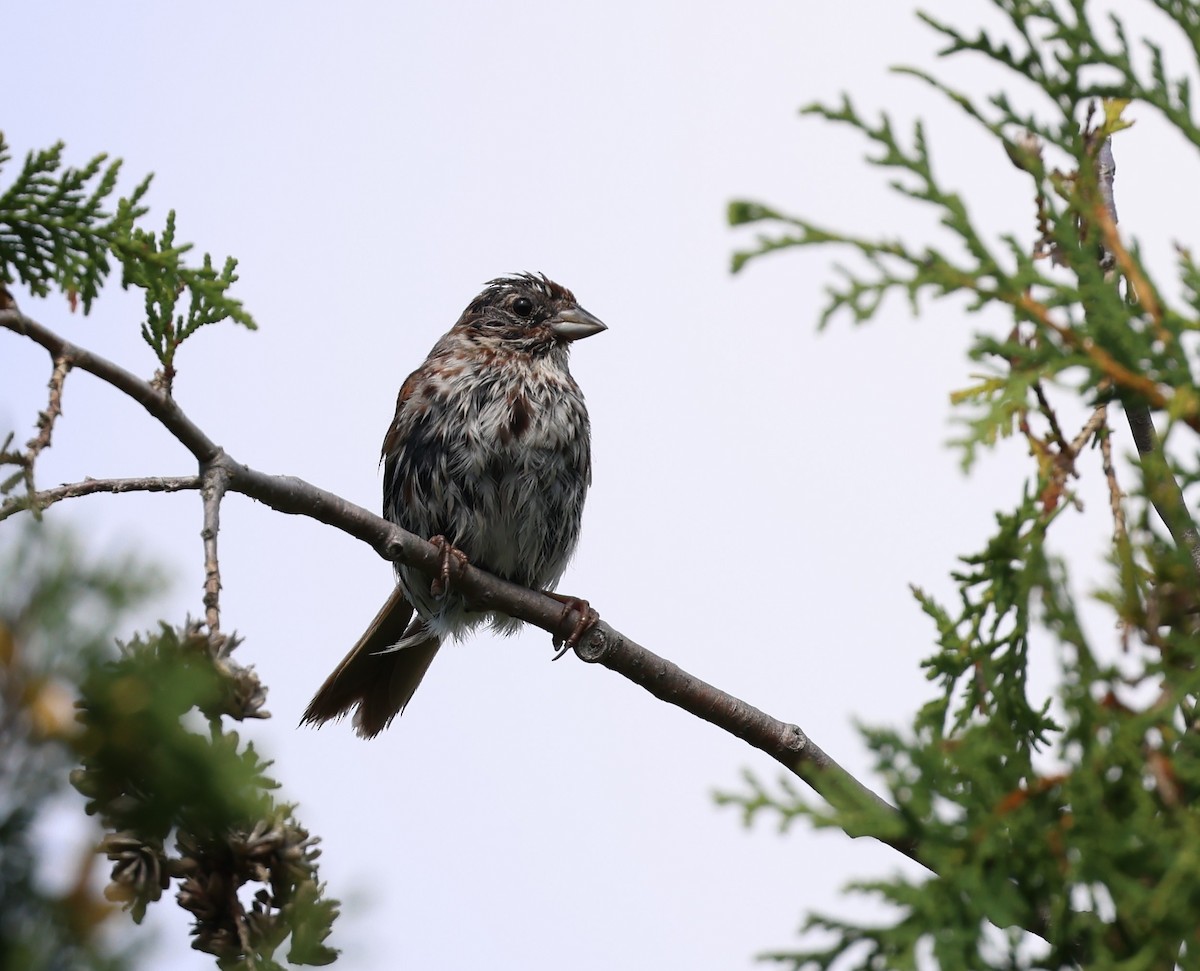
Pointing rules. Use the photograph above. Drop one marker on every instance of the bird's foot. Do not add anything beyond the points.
(588, 619)
(453, 562)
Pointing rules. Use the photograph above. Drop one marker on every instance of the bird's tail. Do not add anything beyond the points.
(381, 672)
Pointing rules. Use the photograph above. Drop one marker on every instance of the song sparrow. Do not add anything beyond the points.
(490, 451)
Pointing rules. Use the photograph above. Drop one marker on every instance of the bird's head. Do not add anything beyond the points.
(528, 312)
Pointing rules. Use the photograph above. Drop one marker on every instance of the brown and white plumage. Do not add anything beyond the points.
(490, 448)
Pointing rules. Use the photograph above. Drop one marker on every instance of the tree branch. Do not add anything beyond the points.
(88, 487)
(158, 404)
(784, 742)
(1162, 489)
(25, 461)
(46, 419)
(214, 481)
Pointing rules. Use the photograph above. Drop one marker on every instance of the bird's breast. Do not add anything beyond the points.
(504, 478)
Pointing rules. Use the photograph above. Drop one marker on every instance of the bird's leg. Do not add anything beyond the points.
(453, 562)
(587, 619)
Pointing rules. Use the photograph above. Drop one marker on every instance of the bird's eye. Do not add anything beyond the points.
(522, 306)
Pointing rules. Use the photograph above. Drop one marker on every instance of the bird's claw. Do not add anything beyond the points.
(453, 562)
(587, 620)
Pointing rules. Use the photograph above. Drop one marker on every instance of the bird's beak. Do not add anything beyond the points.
(575, 323)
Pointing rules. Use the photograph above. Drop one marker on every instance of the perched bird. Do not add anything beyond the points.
(489, 454)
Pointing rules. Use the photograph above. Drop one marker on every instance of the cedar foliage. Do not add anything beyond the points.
(1070, 815)
(180, 798)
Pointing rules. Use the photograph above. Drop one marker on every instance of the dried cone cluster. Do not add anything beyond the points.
(246, 870)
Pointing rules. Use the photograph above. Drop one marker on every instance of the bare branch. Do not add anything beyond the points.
(88, 487)
(46, 419)
(159, 405)
(1161, 486)
(1120, 531)
(1056, 434)
(784, 742)
(1094, 423)
(25, 461)
(214, 481)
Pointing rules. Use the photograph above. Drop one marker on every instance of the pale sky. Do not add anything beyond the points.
(763, 494)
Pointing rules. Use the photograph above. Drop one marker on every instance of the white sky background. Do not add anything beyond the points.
(763, 494)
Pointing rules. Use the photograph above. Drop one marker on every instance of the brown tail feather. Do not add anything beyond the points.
(380, 685)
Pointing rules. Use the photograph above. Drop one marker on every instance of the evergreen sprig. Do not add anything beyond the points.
(196, 806)
(1068, 812)
(57, 233)
(1061, 52)
(154, 263)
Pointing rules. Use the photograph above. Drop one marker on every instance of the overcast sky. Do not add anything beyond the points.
(763, 494)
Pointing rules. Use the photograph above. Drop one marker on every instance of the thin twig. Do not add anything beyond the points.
(1056, 434)
(1094, 423)
(1104, 212)
(1062, 455)
(214, 481)
(88, 487)
(46, 419)
(1120, 530)
(25, 461)
(1121, 542)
